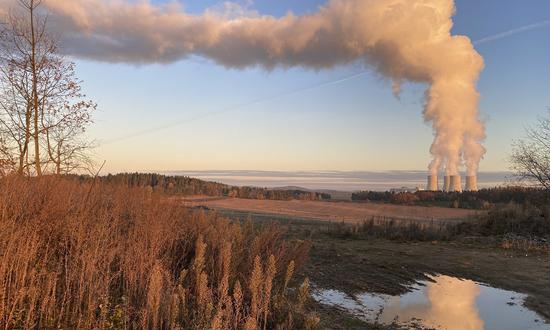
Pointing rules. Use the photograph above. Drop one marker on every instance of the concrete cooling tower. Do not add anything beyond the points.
(455, 183)
(471, 183)
(432, 183)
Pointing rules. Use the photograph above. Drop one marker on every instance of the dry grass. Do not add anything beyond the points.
(83, 256)
(335, 211)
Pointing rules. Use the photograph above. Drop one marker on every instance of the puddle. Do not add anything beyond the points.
(446, 303)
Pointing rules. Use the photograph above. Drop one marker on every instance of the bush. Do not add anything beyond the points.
(520, 219)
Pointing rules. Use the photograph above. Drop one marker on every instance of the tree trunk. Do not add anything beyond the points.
(23, 152)
(23, 157)
(58, 161)
(35, 94)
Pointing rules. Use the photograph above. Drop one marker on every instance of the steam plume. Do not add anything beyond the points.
(403, 40)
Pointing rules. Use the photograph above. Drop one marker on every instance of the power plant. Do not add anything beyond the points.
(452, 183)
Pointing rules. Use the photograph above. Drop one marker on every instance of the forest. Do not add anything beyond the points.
(482, 199)
(183, 185)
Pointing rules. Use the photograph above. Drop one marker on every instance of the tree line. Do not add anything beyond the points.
(482, 199)
(184, 185)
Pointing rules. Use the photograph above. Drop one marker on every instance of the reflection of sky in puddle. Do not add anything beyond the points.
(446, 303)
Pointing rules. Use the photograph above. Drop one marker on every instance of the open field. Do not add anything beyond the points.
(332, 211)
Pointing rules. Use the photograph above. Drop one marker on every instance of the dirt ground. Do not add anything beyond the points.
(388, 267)
(332, 211)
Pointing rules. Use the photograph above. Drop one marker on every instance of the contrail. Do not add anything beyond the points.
(236, 107)
(512, 32)
(481, 41)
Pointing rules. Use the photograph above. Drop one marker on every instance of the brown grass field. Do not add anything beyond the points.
(98, 256)
(332, 211)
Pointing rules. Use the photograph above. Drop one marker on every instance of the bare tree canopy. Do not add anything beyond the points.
(43, 112)
(530, 157)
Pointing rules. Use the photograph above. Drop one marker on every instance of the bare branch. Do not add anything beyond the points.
(530, 159)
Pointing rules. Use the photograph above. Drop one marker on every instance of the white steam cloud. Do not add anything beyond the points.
(403, 40)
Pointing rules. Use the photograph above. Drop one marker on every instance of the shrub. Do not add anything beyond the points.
(521, 219)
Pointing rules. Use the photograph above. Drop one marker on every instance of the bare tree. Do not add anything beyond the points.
(41, 101)
(530, 157)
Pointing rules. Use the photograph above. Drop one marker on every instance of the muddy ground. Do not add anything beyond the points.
(383, 266)
(389, 267)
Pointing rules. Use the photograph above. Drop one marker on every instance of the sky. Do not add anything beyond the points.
(197, 115)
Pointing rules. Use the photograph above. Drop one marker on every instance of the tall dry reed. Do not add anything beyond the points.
(90, 256)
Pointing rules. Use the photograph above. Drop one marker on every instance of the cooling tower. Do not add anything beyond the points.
(471, 183)
(455, 184)
(432, 183)
(446, 183)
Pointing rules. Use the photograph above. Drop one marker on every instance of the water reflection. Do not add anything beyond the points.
(446, 303)
(449, 303)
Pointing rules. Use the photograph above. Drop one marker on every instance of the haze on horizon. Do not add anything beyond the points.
(296, 118)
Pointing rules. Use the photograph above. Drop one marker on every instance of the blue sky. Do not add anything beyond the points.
(353, 125)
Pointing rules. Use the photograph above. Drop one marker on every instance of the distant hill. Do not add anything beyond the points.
(291, 188)
(334, 194)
